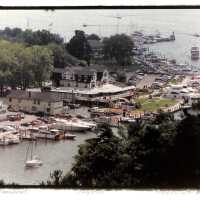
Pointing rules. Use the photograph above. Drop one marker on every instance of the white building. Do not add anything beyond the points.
(103, 94)
(79, 77)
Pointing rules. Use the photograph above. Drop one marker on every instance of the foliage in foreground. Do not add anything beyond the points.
(159, 154)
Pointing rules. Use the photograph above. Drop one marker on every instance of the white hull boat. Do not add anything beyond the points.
(70, 136)
(9, 138)
(35, 162)
(4, 142)
(70, 125)
(52, 134)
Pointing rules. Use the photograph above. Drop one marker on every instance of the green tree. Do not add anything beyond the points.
(42, 64)
(79, 47)
(118, 48)
(61, 57)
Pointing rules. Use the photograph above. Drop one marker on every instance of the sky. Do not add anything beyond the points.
(95, 2)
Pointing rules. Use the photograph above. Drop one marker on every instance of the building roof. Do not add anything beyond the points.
(42, 96)
(107, 88)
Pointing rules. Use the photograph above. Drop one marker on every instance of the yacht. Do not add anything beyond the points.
(71, 125)
(86, 123)
(44, 133)
(195, 53)
(9, 136)
(70, 136)
(4, 141)
(127, 120)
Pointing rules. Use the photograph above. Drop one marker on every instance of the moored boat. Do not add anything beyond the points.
(195, 53)
(34, 162)
(70, 125)
(70, 136)
(52, 134)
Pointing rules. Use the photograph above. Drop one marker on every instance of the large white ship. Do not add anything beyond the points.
(73, 125)
(195, 53)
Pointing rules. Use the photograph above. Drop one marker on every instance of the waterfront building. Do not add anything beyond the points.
(103, 94)
(35, 102)
(79, 77)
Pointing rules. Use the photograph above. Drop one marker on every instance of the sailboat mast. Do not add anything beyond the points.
(31, 149)
(27, 153)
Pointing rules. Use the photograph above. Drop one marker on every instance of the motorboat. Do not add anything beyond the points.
(86, 123)
(195, 53)
(71, 125)
(4, 141)
(34, 162)
(8, 137)
(69, 136)
(44, 133)
(127, 119)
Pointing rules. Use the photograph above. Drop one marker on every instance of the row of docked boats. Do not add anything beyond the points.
(8, 135)
(140, 38)
(57, 130)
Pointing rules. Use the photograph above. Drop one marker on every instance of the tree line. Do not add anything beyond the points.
(28, 57)
(116, 49)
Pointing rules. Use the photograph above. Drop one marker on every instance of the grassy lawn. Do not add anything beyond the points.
(176, 81)
(152, 105)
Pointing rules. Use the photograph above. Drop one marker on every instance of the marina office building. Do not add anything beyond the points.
(35, 102)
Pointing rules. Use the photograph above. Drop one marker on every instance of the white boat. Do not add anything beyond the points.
(69, 136)
(4, 141)
(9, 137)
(71, 125)
(127, 119)
(44, 133)
(86, 123)
(14, 140)
(34, 162)
(195, 53)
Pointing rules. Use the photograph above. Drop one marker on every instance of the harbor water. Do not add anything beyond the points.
(54, 155)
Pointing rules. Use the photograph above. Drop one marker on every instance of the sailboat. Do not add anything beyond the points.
(33, 161)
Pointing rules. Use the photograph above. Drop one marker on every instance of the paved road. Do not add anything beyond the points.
(146, 81)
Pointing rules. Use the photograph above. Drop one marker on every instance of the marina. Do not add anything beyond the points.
(43, 124)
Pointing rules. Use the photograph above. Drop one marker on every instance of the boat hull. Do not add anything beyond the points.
(33, 163)
(70, 136)
(66, 127)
